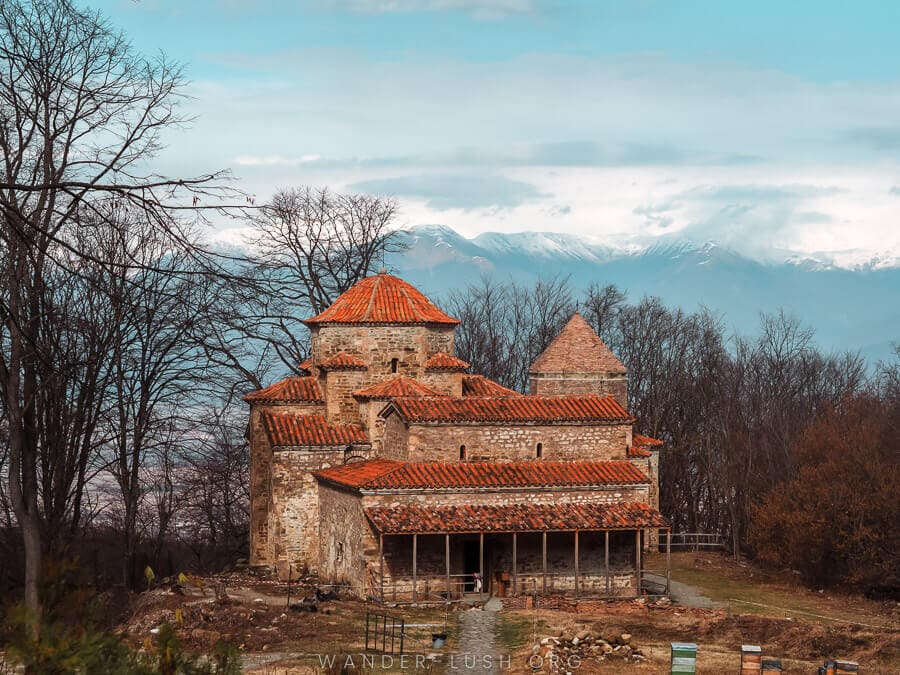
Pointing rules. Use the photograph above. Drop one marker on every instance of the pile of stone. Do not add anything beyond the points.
(570, 647)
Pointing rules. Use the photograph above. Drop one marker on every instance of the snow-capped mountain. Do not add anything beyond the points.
(852, 301)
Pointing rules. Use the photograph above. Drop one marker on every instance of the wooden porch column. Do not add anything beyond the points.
(606, 557)
(668, 560)
(447, 563)
(576, 563)
(514, 575)
(481, 561)
(381, 564)
(544, 562)
(637, 560)
(415, 595)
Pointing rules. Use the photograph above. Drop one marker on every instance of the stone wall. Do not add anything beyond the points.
(260, 475)
(337, 388)
(580, 384)
(446, 382)
(598, 495)
(559, 442)
(346, 542)
(293, 518)
(377, 346)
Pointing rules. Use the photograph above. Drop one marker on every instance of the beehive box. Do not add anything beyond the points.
(771, 666)
(684, 657)
(846, 667)
(751, 659)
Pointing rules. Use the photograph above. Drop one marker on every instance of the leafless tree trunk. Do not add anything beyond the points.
(80, 113)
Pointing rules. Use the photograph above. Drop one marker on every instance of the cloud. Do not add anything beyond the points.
(895, 190)
(274, 160)
(750, 217)
(454, 191)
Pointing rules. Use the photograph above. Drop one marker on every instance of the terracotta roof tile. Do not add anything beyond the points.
(577, 349)
(396, 387)
(508, 475)
(291, 390)
(479, 385)
(645, 441)
(640, 444)
(342, 361)
(548, 409)
(383, 474)
(286, 430)
(513, 518)
(444, 361)
(358, 473)
(305, 366)
(382, 298)
(637, 452)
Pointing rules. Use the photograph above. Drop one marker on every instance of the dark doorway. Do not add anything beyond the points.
(470, 564)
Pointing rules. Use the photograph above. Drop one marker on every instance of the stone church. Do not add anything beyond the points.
(390, 468)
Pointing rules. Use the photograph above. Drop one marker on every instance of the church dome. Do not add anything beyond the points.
(382, 299)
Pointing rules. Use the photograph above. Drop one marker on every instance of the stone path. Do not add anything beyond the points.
(477, 650)
(689, 596)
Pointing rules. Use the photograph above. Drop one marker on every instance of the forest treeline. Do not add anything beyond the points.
(791, 453)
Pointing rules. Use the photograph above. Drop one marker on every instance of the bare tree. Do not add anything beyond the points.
(80, 115)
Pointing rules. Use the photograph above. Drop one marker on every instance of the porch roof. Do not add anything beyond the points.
(472, 518)
(385, 475)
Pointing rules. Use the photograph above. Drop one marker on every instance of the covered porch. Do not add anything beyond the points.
(433, 554)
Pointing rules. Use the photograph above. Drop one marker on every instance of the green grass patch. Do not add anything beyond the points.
(514, 630)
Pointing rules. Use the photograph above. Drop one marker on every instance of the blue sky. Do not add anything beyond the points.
(772, 127)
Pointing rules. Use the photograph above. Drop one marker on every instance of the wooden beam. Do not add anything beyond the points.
(415, 595)
(637, 560)
(514, 574)
(576, 563)
(606, 557)
(381, 564)
(481, 562)
(544, 562)
(668, 560)
(447, 564)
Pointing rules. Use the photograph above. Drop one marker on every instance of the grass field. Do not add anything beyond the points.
(746, 589)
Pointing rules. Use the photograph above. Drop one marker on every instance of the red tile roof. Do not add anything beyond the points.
(479, 385)
(382, 298)
(398, 386)
(513, 518)
(637, 452)
(358, 473)
(639, 445)
(444, 361)
(291, 390)
(577, 349)
(342, 361)
(391, 475)
(549, 409)
(285, 430)
(305, 366)
(645, 441)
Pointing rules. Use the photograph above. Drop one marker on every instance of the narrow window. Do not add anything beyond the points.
(394, 364)
(539, 450)
(462, 452)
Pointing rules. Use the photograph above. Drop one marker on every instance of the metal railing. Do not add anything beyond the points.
(694, 541)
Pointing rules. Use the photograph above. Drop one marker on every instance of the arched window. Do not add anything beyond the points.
(394, 364)
(462, 452)
(539, 450)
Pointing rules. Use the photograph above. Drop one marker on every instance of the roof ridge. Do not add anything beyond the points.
(368, 313)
